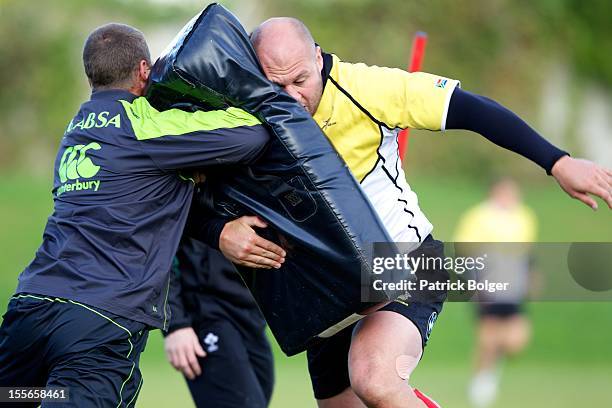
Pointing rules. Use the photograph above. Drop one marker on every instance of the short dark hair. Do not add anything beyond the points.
(112, 53)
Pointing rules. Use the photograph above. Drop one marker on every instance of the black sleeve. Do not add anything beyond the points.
(180, 318)
(501, 126)
(202, 224)
(205, 226)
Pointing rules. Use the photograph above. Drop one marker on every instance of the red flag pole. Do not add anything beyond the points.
(416, 61)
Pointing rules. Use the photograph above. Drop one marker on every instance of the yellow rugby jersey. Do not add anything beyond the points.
(489, 223)
(362, 110)
(510, 264)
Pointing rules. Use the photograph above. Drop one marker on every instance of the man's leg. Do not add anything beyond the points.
(346, 399)
(228, 378)
(487, 343)
(262, 360)
(328, 369)
(386, 348)
(59, 343)
(484, 384)
(22, 336)
(517, 332)
(96, 357)
(387, 345)
(502, 330)
(373, 340)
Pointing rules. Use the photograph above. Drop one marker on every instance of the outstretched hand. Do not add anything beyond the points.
(241, 245)
(579, 178)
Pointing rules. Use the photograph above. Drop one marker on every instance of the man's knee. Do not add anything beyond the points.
(369, 382)
(385, 349)
(517, 341)
(375, 377)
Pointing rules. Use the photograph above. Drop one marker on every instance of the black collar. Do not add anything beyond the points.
(114, 94)
(328, 63)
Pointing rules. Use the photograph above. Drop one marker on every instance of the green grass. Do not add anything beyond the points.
(567, 364)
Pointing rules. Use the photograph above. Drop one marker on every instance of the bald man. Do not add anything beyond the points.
(361, 110)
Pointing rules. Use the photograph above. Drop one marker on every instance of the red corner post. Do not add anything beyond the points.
(416, 61)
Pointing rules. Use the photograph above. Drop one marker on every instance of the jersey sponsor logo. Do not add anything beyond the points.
(430, 323)
(327, 124)
(75, 165)
(211, 341)
(95, 120)
(441, 83)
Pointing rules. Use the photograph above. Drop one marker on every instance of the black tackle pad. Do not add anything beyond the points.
(315, 208)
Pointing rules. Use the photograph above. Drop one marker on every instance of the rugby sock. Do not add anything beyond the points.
(483, 388)
(428, 401)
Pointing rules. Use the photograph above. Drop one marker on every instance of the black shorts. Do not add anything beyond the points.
(328, 359)
(238, 370)
(500, 310)
(52, 342)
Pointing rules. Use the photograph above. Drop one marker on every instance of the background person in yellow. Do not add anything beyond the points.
(503, 330)
(361, 110)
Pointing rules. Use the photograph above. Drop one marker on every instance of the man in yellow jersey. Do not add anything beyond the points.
(361, 109)
(503, 329)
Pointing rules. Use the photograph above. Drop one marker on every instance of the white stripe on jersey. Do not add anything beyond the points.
(395, 203)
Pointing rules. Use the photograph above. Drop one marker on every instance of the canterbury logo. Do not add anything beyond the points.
(75, 163)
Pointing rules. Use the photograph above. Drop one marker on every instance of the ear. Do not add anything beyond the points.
(319, 57)
(144, 69)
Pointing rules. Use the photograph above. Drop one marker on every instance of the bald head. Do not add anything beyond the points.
(282, 32)
(290, 58)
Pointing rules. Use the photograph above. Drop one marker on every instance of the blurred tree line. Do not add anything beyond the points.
(43, 81)
(500, 48)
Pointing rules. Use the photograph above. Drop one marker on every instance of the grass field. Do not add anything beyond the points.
(568, 364)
